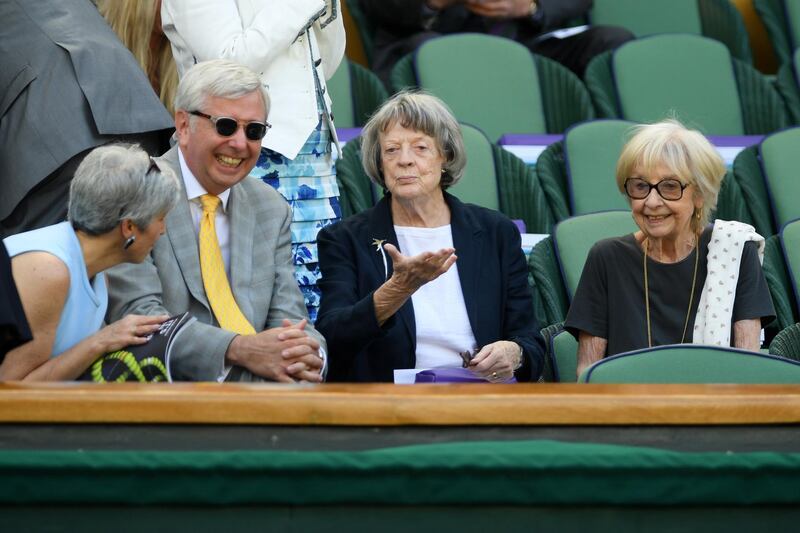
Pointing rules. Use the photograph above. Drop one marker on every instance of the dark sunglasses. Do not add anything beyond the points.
(668, 189)
(227, 126)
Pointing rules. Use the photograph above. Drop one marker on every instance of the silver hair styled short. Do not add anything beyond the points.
(220, 78)
(117, 182)
(421, 112)
(685, 152)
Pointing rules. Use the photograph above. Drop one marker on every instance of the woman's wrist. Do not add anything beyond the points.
(388, 299)
(520, 356)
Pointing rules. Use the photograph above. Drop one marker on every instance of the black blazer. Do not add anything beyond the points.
(494, 279)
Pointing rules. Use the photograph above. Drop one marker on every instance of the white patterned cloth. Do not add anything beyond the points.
(712, 324)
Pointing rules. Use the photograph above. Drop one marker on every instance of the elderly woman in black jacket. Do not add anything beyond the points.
(421, 277)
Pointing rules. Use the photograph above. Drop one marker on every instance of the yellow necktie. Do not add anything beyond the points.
(218, 290)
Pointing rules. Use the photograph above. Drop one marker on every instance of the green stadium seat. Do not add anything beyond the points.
(565, 357)
(355, 187)
(460, 68)
(780, 159)
(780, 286)
(749, 177)
(478, 185)
(356, 93)
(787, 343)
(551, 168)
(690, 77)
(790, 243)
(496, 84)
(549, 295)
(716, 19)
(575, 236)
(689, 363)
(555, 263)
(591, 151)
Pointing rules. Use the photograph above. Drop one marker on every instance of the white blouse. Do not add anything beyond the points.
(440, 313)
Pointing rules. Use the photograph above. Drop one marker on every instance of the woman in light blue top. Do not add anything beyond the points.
(118, 201)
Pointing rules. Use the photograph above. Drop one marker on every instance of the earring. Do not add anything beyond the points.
(697, 214)
(129, 242)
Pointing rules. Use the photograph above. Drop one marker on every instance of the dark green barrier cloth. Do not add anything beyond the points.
(484, 473)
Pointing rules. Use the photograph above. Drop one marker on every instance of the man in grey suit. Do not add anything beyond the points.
(220, 118)
(67, 85)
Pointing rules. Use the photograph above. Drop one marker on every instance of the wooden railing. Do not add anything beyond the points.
(398, 405)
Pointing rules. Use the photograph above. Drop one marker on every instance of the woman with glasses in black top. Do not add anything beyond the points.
(677, 279)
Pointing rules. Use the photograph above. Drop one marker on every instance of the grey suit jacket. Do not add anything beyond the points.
(67, 84)
(169, 282)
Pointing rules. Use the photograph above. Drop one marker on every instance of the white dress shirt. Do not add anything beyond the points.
(221, 224)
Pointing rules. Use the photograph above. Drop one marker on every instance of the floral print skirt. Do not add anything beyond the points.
(308, 182)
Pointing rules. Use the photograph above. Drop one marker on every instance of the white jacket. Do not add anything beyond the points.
(263, 35)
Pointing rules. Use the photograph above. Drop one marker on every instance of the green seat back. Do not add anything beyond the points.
(648, 17)
(749, 174)
(592, 150)
(790, 241)
(341, 93)
(780, 157)
(550, 298)
(355, 187)
(575, 236)
(478, 185)
(687, 363)
(686, 75)
(565, 357)
(487, 81)
(787, 343)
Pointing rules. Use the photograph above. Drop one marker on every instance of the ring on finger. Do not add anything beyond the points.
(494, 375)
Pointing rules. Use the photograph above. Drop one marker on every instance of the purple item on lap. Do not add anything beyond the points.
(453, 375)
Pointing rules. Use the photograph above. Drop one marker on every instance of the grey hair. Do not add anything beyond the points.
(220, 78)
(422, 112)
(113, 183)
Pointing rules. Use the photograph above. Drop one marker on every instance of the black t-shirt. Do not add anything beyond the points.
(609, 301)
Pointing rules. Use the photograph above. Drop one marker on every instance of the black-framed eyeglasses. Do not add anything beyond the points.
(668, 189)
(227, 126)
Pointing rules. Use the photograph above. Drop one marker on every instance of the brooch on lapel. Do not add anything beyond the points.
(378, 244)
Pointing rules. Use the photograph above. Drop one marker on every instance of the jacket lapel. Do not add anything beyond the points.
(382, 228)
(468, 240)
(242, 228)
(181, 234)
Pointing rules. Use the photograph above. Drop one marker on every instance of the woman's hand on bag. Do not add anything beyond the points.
(497, 361)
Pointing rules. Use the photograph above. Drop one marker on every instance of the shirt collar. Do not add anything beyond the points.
(193, 188)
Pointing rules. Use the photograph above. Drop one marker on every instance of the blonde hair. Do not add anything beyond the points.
(134, 23)
(685, 152)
